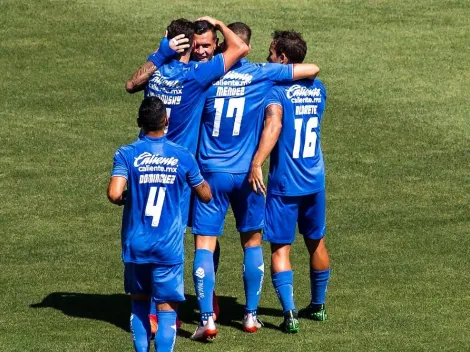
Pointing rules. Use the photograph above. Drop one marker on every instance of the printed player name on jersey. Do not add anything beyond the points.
(157, 178)
(166, 99)
(234, 79)
(306, 109)
(230, 91)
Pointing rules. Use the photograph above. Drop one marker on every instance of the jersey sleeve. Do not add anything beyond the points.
(279, 73)
(273, 97)
(193, 176)
(120, 165)
(207, 72)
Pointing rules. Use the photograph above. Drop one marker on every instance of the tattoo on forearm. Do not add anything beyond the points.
(142, 75)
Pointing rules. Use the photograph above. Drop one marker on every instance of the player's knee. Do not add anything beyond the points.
(280, 257)
(205, 242)
(251, 238)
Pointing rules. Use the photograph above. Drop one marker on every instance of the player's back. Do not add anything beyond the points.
(181, 87)
(233, 115)
(152, 228)
(296, 164)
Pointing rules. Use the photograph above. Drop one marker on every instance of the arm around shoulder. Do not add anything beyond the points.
(302, 71)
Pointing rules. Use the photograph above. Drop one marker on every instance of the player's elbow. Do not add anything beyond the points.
(130, 88)
(244, 49)
(114, 196)
(314, 71)
(276, 127)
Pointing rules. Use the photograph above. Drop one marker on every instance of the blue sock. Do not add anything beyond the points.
(319, 285)
(140, 325)
(283, 284)
(253, 275)
(204, 280)
(166, 333)
(216, 257)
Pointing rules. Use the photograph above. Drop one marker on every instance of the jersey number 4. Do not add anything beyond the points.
(237, 104)
(310, 138)
(152, 209)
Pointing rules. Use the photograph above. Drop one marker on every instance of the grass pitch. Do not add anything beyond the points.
(396, 139)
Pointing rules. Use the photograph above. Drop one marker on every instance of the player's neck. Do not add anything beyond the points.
(185, 58)
(155, 134)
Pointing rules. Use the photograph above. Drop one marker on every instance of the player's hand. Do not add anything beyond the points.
(211, 20)
(179, 43)
(256, 180)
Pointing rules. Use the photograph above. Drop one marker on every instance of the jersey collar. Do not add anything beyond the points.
(155, 139)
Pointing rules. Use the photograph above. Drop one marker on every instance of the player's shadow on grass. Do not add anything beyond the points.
(115, 309)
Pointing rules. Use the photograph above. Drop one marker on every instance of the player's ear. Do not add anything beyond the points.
(283, 59)
(166, 121)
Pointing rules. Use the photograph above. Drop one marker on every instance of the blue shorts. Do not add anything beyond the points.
(165, 283)
(284, 212)
(248, 207)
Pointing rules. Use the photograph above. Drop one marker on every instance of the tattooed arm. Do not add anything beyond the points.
(140, 77)
(169, 48)
(271, 131)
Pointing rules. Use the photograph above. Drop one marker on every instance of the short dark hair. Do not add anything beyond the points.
(152, 114)
(241, 30)
(181, 26)
(291, 44)
(203, 26)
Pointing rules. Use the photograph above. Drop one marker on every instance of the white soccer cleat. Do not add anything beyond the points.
(251, 323)
(206, 331)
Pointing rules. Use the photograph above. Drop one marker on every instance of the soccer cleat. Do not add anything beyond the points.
(153, 325)
(215, 305)
(315, 312)
(290, 324)
(206, 331)
(251, 323)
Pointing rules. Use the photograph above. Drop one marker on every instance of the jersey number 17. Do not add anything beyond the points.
(234, 104)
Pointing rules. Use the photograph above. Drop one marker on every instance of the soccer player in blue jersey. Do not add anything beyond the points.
(155, 171)
(231, 127)
(296, 185)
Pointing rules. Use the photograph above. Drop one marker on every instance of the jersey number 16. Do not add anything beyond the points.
(310, 138)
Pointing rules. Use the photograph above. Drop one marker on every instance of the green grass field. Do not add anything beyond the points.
(396, 138)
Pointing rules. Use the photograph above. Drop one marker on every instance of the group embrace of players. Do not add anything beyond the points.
(209, 119)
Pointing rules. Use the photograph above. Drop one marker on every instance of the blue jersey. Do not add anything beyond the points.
(153, 227)
(233, 115)
(181, 87)
(296, 165)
